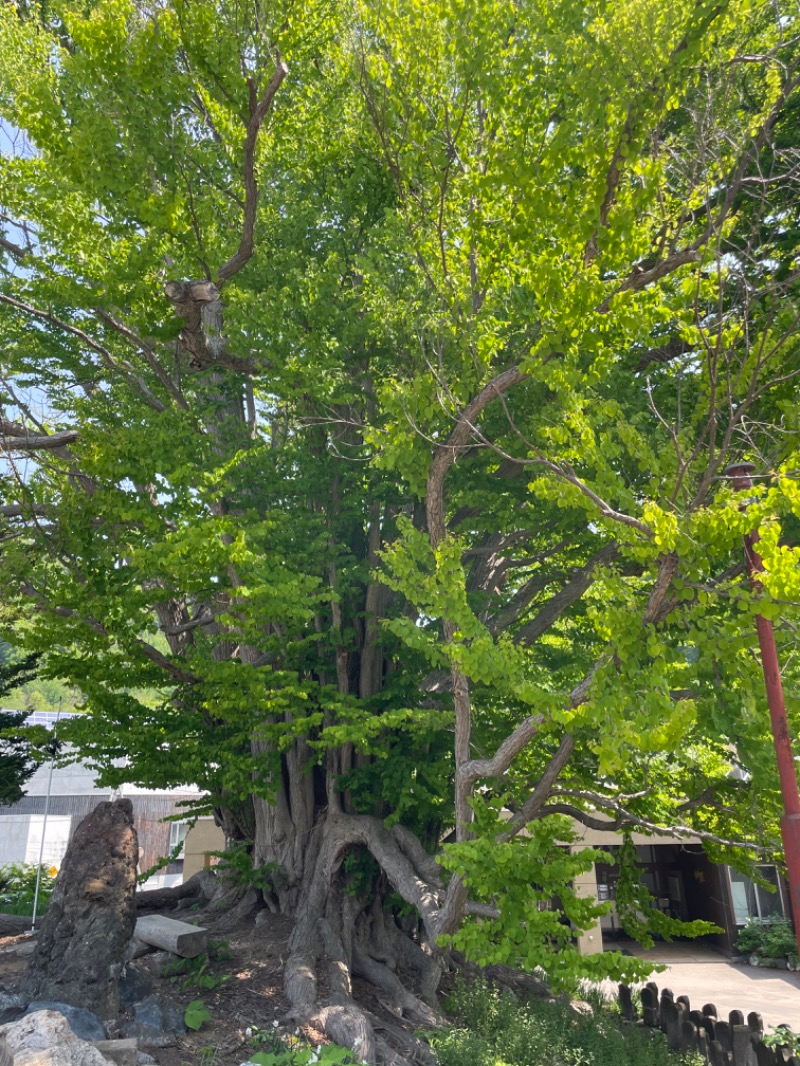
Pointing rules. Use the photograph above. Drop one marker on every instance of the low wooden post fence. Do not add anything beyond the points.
(731, 1042)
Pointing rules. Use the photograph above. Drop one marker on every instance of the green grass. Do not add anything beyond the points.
(496, 1029)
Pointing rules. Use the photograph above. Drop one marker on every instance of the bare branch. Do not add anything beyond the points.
(16, 438)
(446, 454)
(570, 593)
(626, 820)
(258, 112)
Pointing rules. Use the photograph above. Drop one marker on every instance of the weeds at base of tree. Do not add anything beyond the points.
(193, 973)
(207, 1056)
(493, 1026)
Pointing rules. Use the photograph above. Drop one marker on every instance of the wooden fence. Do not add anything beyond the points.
(734, 1042)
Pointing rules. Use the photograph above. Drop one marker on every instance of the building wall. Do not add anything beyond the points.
(204, 837)
(21, 826)
(73, 795)
(21, 838)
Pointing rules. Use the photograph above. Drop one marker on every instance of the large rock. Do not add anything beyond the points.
(12, 1006)
(81, 1021)
(156, 1023)
(87, 927)
(45, 1039)
(135, 985)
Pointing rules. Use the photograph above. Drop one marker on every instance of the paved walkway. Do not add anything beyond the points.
(704, 976)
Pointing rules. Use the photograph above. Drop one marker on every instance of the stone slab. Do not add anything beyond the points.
(179, 938)
(122, 1052)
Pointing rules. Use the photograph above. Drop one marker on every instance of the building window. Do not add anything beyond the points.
(753, 901)
(177, 839)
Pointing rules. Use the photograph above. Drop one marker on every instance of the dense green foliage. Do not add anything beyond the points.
(18, 888)
(374, 416)
(772, 939)
(22, 748)
(499, 1030)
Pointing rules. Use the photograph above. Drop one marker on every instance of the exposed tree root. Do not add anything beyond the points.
(242, 906)
(203, 886)
(14, 924)
(366, 942)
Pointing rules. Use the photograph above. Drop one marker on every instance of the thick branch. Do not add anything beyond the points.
(258, 112)
(626, 820)
(446, 454)
(17, 438)
(570, 593)
(506, 752)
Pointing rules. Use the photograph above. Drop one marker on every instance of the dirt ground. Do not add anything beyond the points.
(247, 996)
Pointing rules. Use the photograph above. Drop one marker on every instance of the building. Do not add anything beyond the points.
(685, 885)
(58, 798)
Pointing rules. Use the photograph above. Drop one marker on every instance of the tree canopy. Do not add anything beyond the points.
(369, 376)
(22, 748)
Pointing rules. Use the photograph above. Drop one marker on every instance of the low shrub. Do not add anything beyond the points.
(497, 1029)
(770, 939)
(18, 888)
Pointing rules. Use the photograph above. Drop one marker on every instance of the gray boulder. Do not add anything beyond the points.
(156, 1023)
(81, 1021)
(135, 985)
(12, 1007)
(88, 925)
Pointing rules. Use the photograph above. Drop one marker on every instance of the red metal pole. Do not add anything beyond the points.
(790, 822)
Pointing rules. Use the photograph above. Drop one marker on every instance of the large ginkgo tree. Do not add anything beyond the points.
(368, 377)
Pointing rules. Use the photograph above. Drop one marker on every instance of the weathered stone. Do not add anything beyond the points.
(81, 1021)
(724, 1034)
(87, 927)
(137, 948)
(45, 1039)
(765, 1056)
(702, 1044)
(626, 1005)
(121, 1052)
(179, 938)
(674, 1023)
(12, 1007)
(743, 1052)
(650, 1009)
(144, 1059)
(6, 1058)
(156, 1023)
(135, 985)
(581, 1007)
(158, 964)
